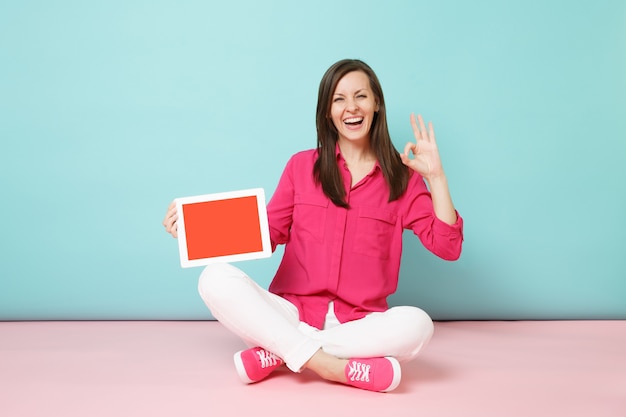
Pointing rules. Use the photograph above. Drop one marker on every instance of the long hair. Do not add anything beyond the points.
(325, 170)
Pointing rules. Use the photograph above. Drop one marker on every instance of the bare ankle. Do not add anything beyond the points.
(327, 366)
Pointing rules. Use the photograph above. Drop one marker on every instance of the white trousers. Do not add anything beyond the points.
(267, 320)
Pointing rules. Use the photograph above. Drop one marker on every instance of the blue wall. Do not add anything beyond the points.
(110, 109)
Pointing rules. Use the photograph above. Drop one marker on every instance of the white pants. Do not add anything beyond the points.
(267, 320)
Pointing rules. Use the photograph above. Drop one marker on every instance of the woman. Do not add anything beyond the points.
(340, 210)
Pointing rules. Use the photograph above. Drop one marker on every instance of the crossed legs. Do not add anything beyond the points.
(263, 319)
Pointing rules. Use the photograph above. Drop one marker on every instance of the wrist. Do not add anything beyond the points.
(437, 180)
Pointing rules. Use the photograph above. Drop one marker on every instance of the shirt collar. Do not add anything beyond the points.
(339, 157)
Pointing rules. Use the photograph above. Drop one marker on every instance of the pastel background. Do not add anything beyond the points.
(110, 109)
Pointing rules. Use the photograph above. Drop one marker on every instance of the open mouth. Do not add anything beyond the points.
(354, 121)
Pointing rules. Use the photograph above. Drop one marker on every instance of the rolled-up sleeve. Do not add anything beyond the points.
(442, 239)
(280, 208)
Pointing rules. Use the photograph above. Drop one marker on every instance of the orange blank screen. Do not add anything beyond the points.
(222, 227)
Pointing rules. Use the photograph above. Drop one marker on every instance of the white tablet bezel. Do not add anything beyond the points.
(266, 251)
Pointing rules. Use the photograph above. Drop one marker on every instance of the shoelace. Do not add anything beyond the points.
(359, 371)
(267, 358)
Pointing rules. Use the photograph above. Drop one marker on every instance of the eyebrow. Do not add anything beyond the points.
(356, 92)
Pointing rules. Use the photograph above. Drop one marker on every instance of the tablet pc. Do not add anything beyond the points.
(223, 227)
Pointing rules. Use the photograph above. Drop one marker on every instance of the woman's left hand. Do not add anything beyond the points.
(426, 160)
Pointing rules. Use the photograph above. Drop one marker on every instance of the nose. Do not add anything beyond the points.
(352, 105)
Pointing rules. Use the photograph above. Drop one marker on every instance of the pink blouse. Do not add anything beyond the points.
(348, 256)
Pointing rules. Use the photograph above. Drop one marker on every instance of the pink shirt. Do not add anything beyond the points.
(348, 256)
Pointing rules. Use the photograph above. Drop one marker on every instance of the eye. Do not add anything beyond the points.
(337, 99)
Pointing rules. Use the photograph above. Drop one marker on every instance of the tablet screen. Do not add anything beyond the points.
(222, 227)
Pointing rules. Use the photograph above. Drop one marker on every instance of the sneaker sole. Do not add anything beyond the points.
(241, 370)
(397, 374)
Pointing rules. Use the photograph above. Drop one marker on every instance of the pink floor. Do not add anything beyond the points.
(504, 369)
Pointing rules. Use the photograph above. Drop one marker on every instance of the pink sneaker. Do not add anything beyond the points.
(255, 364)
(374, 374)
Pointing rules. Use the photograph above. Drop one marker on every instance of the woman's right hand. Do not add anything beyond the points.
(169, 222)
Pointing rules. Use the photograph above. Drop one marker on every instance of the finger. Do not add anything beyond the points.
(168, 216)
(405, 159)
(410, 147)
(171, 211)
(172, 229)
(431, 131)
(170, 222)
(422, 127)
(416, 130)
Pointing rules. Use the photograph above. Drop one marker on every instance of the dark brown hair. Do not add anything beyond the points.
(325, 170)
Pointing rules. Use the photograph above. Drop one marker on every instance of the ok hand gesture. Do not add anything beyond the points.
(426, 160)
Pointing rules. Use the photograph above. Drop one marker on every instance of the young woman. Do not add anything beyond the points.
(340, 211)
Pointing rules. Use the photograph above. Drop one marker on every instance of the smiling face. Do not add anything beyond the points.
(353, 107)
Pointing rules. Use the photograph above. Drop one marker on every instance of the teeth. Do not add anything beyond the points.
(353, 120)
